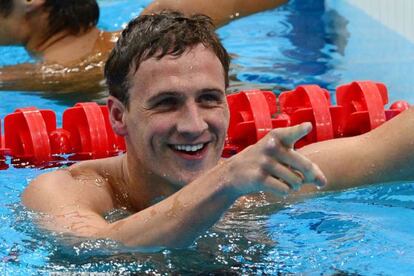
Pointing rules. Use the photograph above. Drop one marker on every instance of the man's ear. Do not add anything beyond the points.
(117, 112)
(32, 5)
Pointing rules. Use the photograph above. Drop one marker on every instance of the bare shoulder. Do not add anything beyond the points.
(79, 186)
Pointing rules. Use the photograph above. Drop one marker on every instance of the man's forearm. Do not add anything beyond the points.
(179, 219)
(385, 154)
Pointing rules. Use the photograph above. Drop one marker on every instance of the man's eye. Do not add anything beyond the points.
(167, 103)
(210, 99)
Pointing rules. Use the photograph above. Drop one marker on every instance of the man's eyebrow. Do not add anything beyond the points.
(163, 94)
(209, 90)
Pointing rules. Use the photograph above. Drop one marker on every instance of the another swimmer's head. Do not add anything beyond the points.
(74, 16)
(158, 35)
(6, 7)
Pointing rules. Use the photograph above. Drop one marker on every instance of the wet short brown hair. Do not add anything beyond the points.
(158, 35)
(75, 16)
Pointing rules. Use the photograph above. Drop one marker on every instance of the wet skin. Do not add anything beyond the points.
(177, 117)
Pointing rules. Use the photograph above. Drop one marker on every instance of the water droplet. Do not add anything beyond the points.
(99, 182)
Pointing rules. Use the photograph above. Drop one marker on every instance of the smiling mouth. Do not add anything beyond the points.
(189, 149)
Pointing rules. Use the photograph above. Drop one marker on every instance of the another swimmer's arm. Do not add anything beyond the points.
(26, 77)
(38, 77)
(12, 74)
(386, 154)
(221, 11)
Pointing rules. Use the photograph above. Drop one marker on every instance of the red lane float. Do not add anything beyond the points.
(90, 132)
(26, 133)
(309, 103)
(363, 105)
(251, 119)
(3, 152)
(31, 135)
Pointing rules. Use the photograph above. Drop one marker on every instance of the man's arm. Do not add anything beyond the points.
(76, 204)
(221, 11)
(385, 154)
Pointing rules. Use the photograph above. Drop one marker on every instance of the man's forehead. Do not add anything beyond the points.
(194, 52)
(196, 57)
(196, 68)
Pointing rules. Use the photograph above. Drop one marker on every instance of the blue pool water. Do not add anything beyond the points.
(365, 231)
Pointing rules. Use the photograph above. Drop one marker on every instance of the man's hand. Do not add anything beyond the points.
(272, 165)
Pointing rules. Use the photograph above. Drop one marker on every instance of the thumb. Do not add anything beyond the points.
(290, 135)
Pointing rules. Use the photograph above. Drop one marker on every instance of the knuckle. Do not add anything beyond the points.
(276, 167)
(269, 148)
(278, 143)
(275, 134)
(268, 166)
(281, 152)
(264, 161)
(274, 145)
(261, 175)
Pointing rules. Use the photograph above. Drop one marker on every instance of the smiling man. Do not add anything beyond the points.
(167, 78)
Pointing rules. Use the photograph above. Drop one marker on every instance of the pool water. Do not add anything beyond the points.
(365, 231)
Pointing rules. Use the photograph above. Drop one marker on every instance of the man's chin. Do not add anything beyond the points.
(183, 174)
(184, 180)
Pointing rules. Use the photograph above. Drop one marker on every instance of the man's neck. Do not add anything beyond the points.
(143, 187)
(63, 47)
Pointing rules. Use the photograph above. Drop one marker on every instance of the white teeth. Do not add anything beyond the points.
(190, 148)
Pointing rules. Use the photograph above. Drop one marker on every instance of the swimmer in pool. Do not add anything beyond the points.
(167, 78)
(70, 48)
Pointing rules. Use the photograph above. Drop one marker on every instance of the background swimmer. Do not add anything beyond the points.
(71, 49)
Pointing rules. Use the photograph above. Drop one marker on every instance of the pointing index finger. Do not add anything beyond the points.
(290, 135)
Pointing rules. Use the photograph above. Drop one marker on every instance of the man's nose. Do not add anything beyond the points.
(191, 122)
